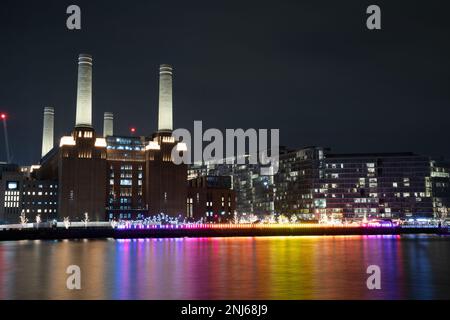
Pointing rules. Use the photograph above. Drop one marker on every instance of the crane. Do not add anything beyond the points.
(3, 116)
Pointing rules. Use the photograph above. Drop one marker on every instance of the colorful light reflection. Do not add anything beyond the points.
(224, 226)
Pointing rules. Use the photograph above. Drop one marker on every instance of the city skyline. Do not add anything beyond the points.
(224, 155)
(384, 99)
(112, 176)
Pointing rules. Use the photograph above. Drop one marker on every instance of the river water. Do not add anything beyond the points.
(334, 267)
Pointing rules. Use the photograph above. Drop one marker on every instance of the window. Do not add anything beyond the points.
(406, 182)
(190, 206)
(126, 182)
(12, 185)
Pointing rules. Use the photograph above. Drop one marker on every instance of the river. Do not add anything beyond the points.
(304, 267)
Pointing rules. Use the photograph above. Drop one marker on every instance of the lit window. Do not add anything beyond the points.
(406, 182)
(126, 182)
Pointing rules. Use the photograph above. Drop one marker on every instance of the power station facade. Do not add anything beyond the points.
(114, 177)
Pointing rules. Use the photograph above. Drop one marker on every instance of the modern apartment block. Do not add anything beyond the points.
(313, 182)
(299, 174)
(254, 192)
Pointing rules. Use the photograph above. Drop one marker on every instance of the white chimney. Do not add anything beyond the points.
(84, 91)
(47, 132)
(165, 98)
(108, 124)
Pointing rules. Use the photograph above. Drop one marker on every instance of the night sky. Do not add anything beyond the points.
(310, 68)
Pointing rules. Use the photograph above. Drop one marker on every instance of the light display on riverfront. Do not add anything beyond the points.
(127, 225)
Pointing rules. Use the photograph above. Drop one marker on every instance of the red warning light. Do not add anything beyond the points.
(3, 116)
(133, 130)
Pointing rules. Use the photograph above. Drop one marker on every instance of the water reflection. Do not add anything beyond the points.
(228, 268)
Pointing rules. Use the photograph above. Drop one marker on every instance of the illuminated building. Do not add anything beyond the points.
(40, 197)
(313, 181)
(116, 176)
(298, 176)
(126, 173)
(211, 198)
(82, 175)
(254, 192)
(21, 192)
(10, 191)
(166, 181)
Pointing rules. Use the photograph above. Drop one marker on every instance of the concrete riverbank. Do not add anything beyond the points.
(101, 232)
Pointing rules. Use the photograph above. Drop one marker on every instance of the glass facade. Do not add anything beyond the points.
(254, 192)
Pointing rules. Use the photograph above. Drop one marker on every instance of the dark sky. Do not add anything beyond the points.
(309, 68)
